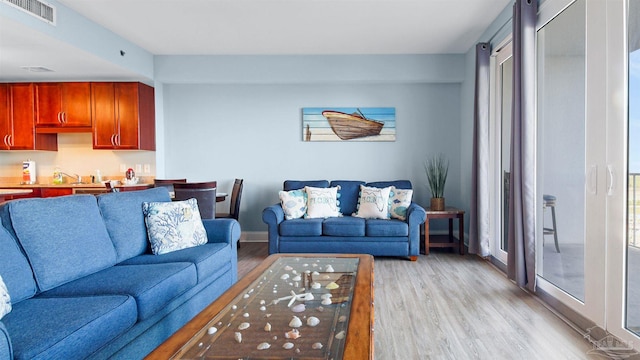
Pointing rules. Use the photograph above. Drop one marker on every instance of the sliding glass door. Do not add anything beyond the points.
(572, 173)
(632, 303)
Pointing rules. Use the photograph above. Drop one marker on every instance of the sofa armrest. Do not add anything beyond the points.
(416, 215)
(222, 230)
(273, 216)
(6, 352)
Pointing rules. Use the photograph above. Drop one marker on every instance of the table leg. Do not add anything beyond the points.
(461, 233)
(450, 229)
(426, 236)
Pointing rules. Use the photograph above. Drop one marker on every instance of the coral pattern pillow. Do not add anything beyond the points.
(400, 200)
(294, 203)
(322, 202)
(373, 203)
(5, 299)
(173, 225)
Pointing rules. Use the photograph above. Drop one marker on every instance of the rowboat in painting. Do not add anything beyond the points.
(352, 126)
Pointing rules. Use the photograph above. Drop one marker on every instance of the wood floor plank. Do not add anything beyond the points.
(447, 306)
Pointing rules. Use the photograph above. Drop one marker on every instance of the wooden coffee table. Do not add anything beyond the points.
(345, 329)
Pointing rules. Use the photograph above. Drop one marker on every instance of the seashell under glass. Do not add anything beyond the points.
(313, 321)
(295, 322)
(263, 346)
(292, 334)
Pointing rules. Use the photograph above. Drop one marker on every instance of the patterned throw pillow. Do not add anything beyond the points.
(294, 203)
(373, 203)
(322, 202)
(400, 201)
(173, 225)
(5, 299)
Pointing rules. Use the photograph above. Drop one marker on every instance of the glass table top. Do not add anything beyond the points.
(297, 309)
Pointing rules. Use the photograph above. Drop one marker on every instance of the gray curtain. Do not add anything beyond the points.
(522, 231)
(479, 236)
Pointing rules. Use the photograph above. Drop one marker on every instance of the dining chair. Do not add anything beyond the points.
(203, 192)
(234, 206)
(167, 183)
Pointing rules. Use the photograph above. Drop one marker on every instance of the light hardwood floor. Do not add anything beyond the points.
(447, 306)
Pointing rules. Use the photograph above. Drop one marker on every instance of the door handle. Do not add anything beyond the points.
(610, 185)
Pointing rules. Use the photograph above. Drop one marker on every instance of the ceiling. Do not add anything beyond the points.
(254, 27)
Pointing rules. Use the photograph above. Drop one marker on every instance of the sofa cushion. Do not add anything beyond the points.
(208, 258)
(5, 299)
(76, 327)
(301, 227)
(6, 350)
(173, 225)
(15, 269)
(373, 203)
(349, 193)
(298, 184)
(343, 226)
(64, 237)
(390, 227)
(400, 184)
(152, 285)
(122, 213)
(322, 202)
(294, 203)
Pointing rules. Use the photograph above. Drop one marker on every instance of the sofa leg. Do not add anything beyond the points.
(413, 258)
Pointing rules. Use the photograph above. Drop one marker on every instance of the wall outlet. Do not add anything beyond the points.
(123, 168)
(138, 168)
(147, 169)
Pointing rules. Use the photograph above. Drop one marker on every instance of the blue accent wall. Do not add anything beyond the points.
(227, 117)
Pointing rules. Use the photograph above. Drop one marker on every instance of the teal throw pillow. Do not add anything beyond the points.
(400, 201)
(294, 203)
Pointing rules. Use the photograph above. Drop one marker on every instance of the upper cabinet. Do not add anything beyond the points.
(123, 116)
(63, 107)
(17, 120)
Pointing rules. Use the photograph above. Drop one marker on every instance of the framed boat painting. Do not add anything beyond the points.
(349, 124)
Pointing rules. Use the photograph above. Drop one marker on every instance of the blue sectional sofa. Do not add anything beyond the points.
(83, 283)
(345, 234)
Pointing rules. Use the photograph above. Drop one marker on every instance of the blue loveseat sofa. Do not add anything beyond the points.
(346, 234)
(83, 283)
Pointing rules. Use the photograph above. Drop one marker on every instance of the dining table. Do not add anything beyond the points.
(220, 196)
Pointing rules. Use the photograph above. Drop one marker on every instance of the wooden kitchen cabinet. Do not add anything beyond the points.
(63, 107)
(17, 120)
(123, 116)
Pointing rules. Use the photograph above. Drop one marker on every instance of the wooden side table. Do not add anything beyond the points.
(450, 241)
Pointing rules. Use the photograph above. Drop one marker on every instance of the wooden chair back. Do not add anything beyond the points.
(203, 192)
(167, 183)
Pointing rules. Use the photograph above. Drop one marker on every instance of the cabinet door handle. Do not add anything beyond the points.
(112, 140)
(117, 139)
(6, 140)
(10, 140)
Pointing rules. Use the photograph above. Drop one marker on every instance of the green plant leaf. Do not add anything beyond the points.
(437, 169)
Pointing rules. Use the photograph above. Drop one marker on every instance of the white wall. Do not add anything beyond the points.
(252, 128)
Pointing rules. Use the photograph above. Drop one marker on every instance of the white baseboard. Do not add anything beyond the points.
(254, 236)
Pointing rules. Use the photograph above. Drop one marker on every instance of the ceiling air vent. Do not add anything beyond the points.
(39, 9)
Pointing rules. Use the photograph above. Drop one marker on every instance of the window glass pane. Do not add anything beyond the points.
(561, 149)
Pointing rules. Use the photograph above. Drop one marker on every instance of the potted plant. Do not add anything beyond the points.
(437, 169)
